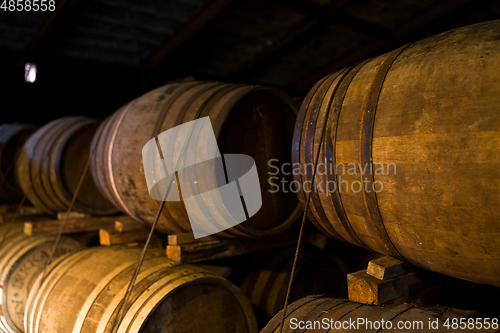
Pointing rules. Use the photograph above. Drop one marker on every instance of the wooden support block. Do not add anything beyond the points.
(387, 267)
(52, 227)
(61, 216)
(211, 248)
(112, 236)
(366, 289)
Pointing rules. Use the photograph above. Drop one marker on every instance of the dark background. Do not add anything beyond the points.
(95, 55)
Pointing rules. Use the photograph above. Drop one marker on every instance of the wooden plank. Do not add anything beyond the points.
(27, 210)
(187, 238)
(52, 227)
(387, 267)
(128, 225)
(212, 249)
(11, 217)
(72, 215)
(111, 236)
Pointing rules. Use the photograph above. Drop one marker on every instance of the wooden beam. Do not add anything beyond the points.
(397, 34)
(108, 236)
(199, 21)
(78, 225)
(288, 38)
(128, 225)
(72, 215)
(211, 248)
(25, 213)
(188, 238)
(49, 22)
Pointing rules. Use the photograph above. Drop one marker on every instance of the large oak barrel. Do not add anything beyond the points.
(250, 120)
(22, 260)
(52, 162)
(83, 293)
(12, 139)
(322, 314)
(411, 151)
(315, 273)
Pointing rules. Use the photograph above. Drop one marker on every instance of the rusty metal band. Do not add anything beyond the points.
(109, 161)
(311, 125)
(321, 309)
(156, 130)
(297, 147)
(204, 111)
(368, 122)
(190, 101)
(274, 323)
(331, 139)
(278, 292)
(392, 313)
(273, 264)
(299, 178)
(275, 289)
(102, 150)
(61, 193)
(207, 106)
(171, 99)
(297, 133)
(178, 121)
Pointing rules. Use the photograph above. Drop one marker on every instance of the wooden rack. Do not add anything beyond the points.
(181, 248)
(184, 248)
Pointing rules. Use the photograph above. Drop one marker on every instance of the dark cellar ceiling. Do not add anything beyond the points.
(289, 44)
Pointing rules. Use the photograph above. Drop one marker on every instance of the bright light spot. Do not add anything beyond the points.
(30, 72)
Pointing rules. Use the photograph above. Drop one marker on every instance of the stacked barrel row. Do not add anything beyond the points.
(46, 166)
(248, 120)
(22, 259)
(407, 147)
(82, 290)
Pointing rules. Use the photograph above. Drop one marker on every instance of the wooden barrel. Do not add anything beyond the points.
(345, 316)
(12, 139)
(315, 273)
(52, 162)
(22, 259)
(250, 120)
(411, 151)
(83, 293)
